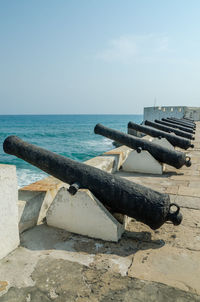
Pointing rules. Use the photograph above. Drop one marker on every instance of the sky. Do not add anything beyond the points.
(98, 56)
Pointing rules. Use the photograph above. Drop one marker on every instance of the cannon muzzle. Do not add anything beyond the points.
(164, 155)
(122, 196)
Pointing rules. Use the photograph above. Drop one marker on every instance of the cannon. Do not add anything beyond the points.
(188, 119)
(173, 139)
(164, 155)
(182, 128)
(184, 121)
(178, 122)
(188, 124)
(179, 133)
(123, 196)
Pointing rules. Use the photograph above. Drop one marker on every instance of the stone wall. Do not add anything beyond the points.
(152, 113)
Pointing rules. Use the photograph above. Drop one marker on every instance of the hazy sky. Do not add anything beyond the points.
(105, 56)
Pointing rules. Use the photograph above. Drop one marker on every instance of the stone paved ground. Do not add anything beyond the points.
(145, 265)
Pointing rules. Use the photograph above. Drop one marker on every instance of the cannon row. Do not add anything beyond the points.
(178, 122)
(145, 205)
(122, 196)
(175, 140)
(169, 129)
(171, 125)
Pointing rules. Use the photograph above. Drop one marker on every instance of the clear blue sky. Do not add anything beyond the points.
(105, 56)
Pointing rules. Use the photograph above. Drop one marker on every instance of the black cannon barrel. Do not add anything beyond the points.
(146, 205)
(168, 129)
(188, 119)
(173, 139)
(182, 128)
(188, 122)
(164, 155)
(176, 123)
(180, 123)
(183, 120)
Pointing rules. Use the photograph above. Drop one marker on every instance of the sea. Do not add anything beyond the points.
(69, 135)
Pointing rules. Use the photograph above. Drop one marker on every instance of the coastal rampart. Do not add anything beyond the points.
(161, 265)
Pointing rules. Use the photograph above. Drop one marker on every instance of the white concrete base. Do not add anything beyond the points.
(142, 162)
(163, 142)
(29, 208)
(9, 234)
(83, 214)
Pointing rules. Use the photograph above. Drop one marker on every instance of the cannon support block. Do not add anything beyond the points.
(142, 162)
(163, 142)
(84, 214)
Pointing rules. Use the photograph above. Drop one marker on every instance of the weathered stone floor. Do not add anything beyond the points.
(145, 265)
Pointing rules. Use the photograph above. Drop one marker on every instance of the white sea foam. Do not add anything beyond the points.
(107, 142)
(26, 177)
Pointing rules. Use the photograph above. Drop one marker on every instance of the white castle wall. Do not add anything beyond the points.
(193, 113)
(152, 113)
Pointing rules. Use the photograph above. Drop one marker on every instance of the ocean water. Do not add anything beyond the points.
(69, 135)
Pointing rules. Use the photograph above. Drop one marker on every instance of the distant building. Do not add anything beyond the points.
(152, 113)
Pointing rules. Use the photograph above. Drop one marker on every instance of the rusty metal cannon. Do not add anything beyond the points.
(173, 139)
(178, 123)
(145, 205)
(164, 155)
(188, 119)
(176, 126)
(190, 123)
(178, 133)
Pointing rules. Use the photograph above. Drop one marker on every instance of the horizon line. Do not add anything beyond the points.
(7, 114)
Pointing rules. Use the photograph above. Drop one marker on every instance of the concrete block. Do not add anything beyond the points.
(34, 201)
(8, 210)
(142, 162)
(29, 206)
(163, 142)
(104, 163)
(120, 154)
(83, 214)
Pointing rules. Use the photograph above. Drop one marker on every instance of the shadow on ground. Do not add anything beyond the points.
(43, 237)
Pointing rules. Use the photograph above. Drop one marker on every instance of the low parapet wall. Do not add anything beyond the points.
(8, 210)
